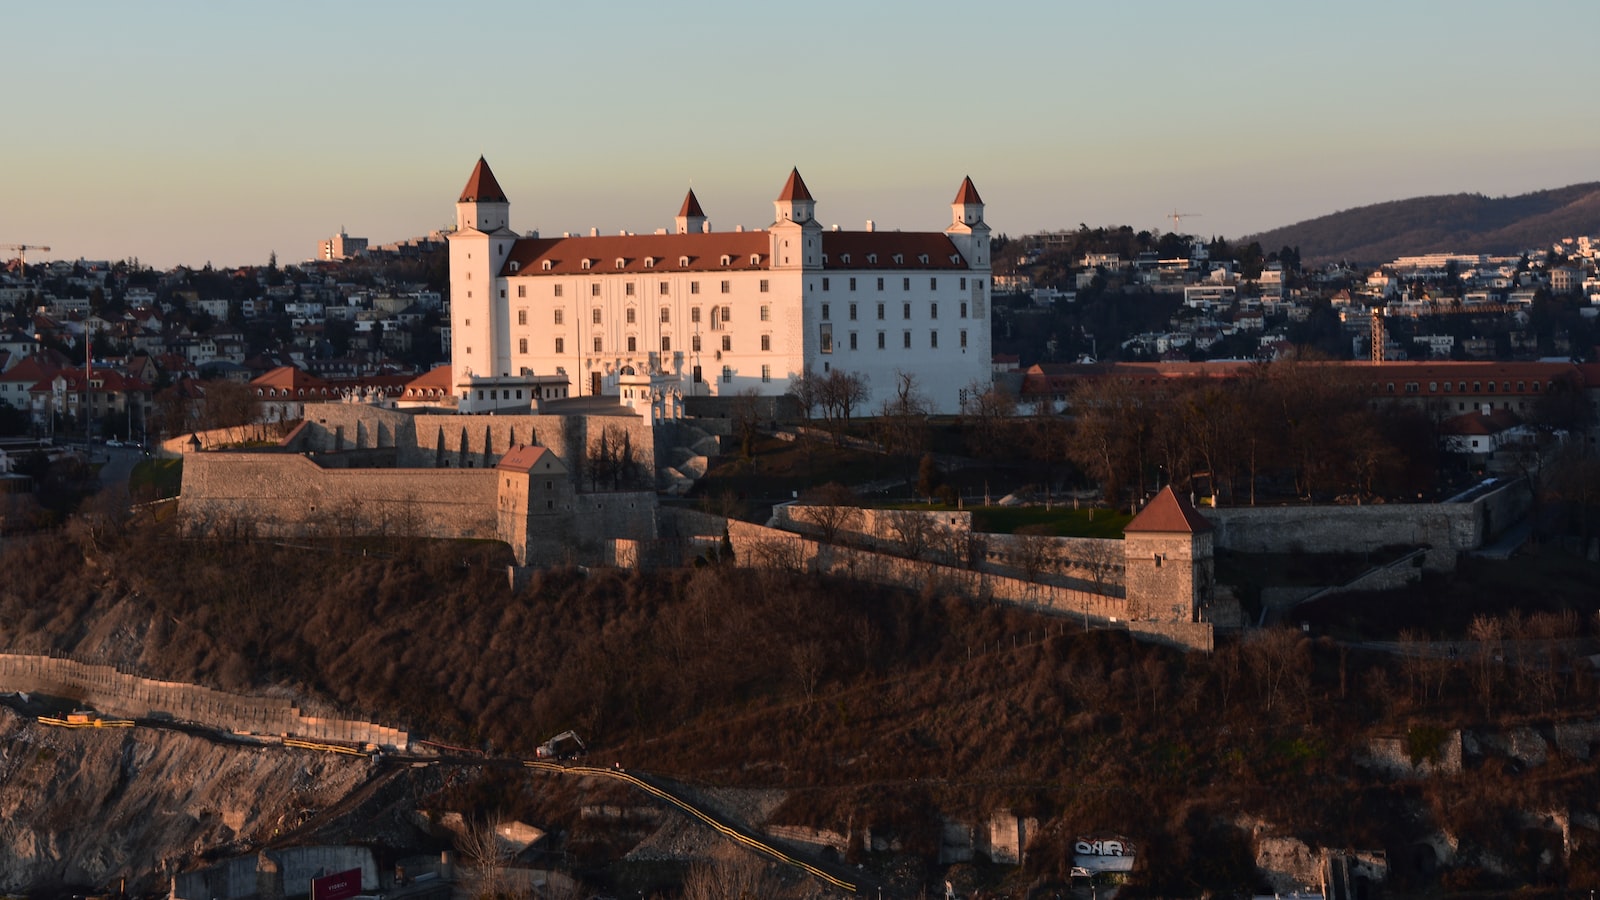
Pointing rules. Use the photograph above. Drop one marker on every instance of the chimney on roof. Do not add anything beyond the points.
(869, 225)
(594, 232)
(836, 227)
(738, 229)
(705, 227)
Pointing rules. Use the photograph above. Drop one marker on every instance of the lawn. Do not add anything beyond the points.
(154, 479)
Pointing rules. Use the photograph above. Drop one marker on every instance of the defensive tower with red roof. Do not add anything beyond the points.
(1168, 551)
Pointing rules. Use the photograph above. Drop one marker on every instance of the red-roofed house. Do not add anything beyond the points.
(718, 312)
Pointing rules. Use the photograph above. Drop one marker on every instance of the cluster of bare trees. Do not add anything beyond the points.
(1309, 428)
(837, 395)
(613, 463)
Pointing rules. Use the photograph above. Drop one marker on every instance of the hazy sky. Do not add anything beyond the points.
(218, 131)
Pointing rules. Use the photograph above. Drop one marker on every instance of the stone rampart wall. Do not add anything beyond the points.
(286, 493)
(1449, 528)
(119, 694)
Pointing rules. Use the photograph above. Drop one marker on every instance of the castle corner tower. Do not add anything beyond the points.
(1168, 551)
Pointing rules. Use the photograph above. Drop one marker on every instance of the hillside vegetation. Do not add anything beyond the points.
(1458, 223)
(871, 707)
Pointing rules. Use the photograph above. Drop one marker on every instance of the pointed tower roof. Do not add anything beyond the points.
(795, 188)
(691, 206)
(968, 193)
(1169, 513)
(482, 187)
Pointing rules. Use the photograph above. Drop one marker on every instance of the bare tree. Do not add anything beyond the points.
(480, 843)
(745, 413)
(735, 876)
(903, 417)
(913, 531)
(832, 508)
(987, 411)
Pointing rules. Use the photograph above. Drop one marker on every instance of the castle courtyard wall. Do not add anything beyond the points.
(287, 494)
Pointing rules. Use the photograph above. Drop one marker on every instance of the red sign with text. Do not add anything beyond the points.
(338, 886)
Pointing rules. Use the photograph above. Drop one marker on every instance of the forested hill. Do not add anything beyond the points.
(1461, 223)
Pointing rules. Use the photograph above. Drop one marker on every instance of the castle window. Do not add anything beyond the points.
(629, 316)
(963, 339)
(852, 312)
(905, 284)
(905, 310)
(694, 315)
(522, 317)
(963, 309)
(726, 260)
(933, 283)
(933, 339)
(628, 289)
(587, 263)
(555, 290)
(852, 340)
(933, 310)
(649, 262)
(594, 289)
(766, 313)
(872, 259)
(633, 344)
(963, 281)
(880, 340)
(546, 266)
(561, 345)
(727, 314)
(727, 374)
(763, 285)
(922, 258)
(522, 345)
(621, 262)
(666, 315)
(694, 343)
(824, 311)
(694, 287)
(522, 291)
(905, 340)
(755, 259)
(597, 345)
(666, 344)
(683, 262)
(852, 284)
(766, 373)
(824, 284)
(594, 315)
(727, 343)
(725, 286)
(899, 259)
(766, 342)
(956, 258)
(514, 265)
(827, 338)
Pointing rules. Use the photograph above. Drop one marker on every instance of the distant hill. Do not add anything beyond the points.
(1464, 223)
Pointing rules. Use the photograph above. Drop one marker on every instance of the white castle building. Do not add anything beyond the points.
(703, 313)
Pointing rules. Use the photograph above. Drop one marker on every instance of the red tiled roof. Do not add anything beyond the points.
(1476, 423)
(910, 246)
(521, 458)
(289, 378)
(31, 370)
(967, 193)
(1169, 513)
(795, 188)
(705, 252)
(435, 379)
(691, 206)
(482, 186)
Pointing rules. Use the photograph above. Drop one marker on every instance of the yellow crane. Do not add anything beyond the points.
(1178, 217)
(1431, 308)
(21, 250)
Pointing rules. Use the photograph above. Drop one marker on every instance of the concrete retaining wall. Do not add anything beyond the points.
(283, 873)
(119, 694)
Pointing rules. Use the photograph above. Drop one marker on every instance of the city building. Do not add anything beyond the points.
(715, 314)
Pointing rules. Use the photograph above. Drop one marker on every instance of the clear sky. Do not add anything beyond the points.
(188, 132)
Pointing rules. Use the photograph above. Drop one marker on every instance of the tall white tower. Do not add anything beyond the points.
(480, 335)
(796, 236)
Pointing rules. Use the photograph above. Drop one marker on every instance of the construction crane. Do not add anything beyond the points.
(1379, 331)
(1178, 217)
(22, 253)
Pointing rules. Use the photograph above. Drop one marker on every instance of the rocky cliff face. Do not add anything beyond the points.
(89, 807)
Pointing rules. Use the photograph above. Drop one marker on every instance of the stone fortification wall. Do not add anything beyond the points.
(285, 493)
(756, 545)
(944, 536)
(274, 873)
(119, 694)
(1448, 528)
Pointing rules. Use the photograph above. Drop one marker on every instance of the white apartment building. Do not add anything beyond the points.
(706, 313)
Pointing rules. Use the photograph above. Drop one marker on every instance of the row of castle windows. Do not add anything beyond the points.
(1412, 387)
(905, 283)
(883, 340)
(666, 344)
(719, 315)
(629, 289)
(905, 311)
